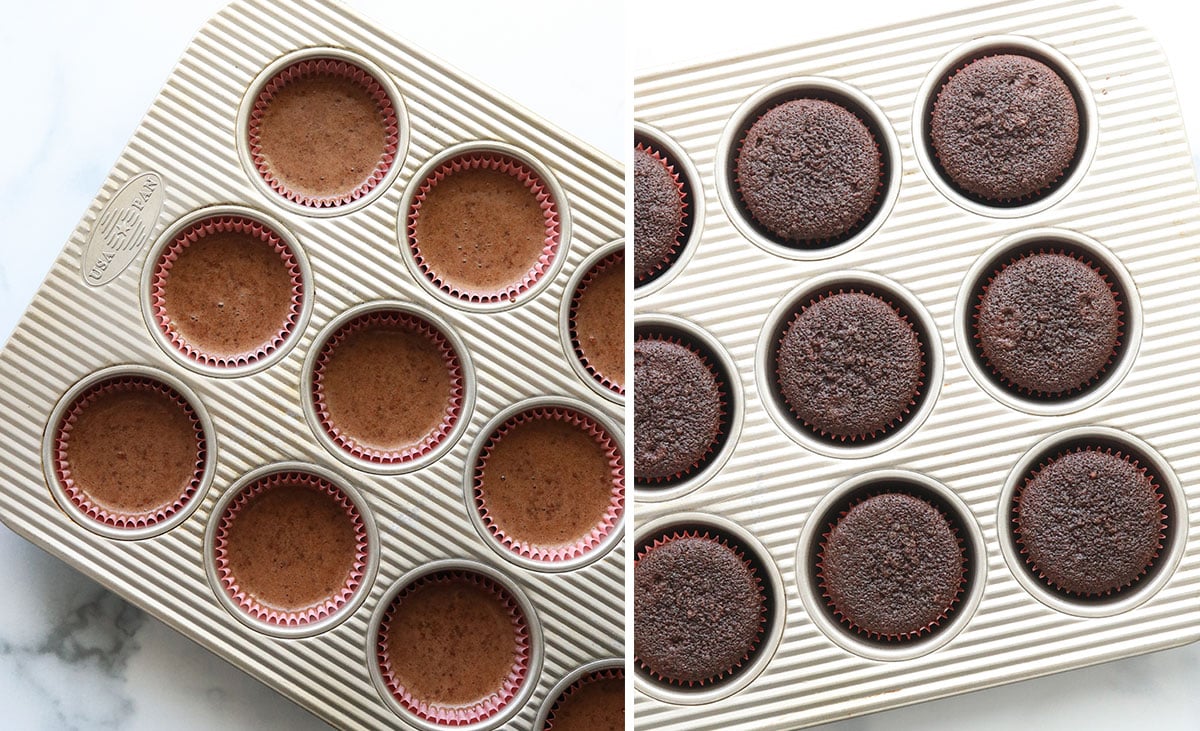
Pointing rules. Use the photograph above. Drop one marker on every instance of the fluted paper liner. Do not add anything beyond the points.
(397, 320)
(604, 524)
(335, 68)
(482, 709)
(529, 178)
(298, 617)
(78, 495)
(714, 537)
(189, 236)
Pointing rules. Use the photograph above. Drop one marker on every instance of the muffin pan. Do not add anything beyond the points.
(1127, 206)
(280, 434)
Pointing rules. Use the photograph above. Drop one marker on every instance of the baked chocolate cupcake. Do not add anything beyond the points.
(679, 410)
(227, 291)
(291, 549)
(699, 609)
(660, 204)
(1005, 128)
(1048, 324)
(550, 484)
(850, 365)
(1090, 522)
(130, 452)
(891, 567)
(323, 132)
(484, 227)
(809, 171)
(595, 702)
(454, 648)
(387, 387)
(597, 321)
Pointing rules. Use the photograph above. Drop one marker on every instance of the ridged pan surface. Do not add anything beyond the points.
(1136, 197)
(188, 141)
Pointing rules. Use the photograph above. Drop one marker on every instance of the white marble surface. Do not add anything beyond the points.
(79, 77)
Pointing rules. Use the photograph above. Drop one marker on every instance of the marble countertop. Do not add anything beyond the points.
(81, 74)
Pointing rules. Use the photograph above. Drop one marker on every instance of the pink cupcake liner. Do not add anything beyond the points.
(714, 537)
(189, 236)
(592, 677)
(890, 637)
(615, 259)
(77, 494)
(485, 708)
(1024, 552)
(326, 67)
(978, 340)
(852, 438)
(392, 319)
(828, 240)
(722, 415)
(299, 617)
(600, 530)
(529, 178)
(684, 201)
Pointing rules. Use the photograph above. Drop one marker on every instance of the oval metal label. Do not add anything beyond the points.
(124, 227)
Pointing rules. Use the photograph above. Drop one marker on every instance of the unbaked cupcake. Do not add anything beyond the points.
(484, 227)
(388, 387)
(291, 549)
(227, 291)
(550, 484)
(130, 452)
(323, 132)
(454, 648)
(595, 702)
(597, 321)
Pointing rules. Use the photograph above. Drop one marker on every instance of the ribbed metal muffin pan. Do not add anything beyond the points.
(1135, 195)
(184, 156)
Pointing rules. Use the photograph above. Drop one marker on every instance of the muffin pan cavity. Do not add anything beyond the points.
(1041, 79)
(346, 114)
(1059, 332)
(923, 365)
(891, 565)
(808, 168)
(592, 321)
(692, 406)
(321, 402)
(668, 209)
(1103, 495)
(716, 587)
